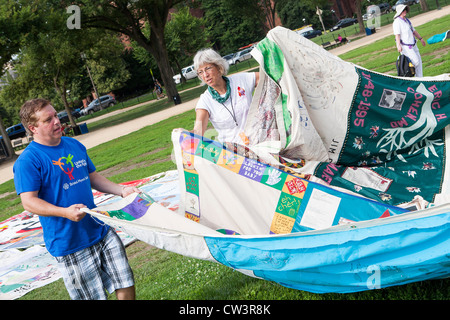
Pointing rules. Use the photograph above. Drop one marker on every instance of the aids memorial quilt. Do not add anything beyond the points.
(340, 183)
(274, 224)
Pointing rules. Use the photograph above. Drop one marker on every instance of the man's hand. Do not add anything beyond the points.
(127, 190)
(74, 213)
(32, 203)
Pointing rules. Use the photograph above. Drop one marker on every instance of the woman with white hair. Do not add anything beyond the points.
(405, 38)
(226, 101)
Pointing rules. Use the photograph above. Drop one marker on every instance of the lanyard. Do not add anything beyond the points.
(232, 108)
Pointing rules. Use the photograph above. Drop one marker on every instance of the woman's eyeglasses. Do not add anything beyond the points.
(204, 71)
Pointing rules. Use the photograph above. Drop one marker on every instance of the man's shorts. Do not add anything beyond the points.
(88, 272)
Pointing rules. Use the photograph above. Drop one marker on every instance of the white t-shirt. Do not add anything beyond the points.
(221, 115)
(405, 30)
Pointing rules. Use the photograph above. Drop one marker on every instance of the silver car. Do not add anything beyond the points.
(241, 56)
(106, 101)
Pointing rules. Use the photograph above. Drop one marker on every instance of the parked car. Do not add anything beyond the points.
(311, 34)
(106, 101)
(229, 57)
(344, 23)
(15, 131)
(405, 2)
(63, 117)
(241, 56)
(188, 73)
(384, 7)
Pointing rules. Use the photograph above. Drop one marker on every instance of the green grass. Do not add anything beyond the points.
(164, 275)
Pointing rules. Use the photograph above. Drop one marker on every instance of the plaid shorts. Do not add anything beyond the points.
(88, 272)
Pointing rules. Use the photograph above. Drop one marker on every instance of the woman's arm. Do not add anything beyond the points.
(201, 121)
(256, 79)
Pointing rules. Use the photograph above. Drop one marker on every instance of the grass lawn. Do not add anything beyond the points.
(164, 275)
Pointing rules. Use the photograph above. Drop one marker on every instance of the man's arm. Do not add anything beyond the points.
(102, 184)
(32, 203)
(417, 35)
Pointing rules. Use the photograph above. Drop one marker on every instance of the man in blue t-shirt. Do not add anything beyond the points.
(54, 177)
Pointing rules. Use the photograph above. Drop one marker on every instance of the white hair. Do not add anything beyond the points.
(208, 55)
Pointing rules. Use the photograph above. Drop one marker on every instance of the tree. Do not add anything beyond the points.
(17, 22)
(270, 9)
(424, 5)
(104, 58)
(53, 59)
(232, 25)
(185, 35)
(292, 13)
(128, 17)
(359, 16)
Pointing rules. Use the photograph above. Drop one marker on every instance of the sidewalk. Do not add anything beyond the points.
(92, 139)
(97, 137)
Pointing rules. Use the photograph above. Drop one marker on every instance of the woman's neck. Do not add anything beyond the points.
(221, 87)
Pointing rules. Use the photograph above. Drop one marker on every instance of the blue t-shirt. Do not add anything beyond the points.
(61, 175)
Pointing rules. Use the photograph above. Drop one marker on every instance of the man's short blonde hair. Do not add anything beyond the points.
(28, 112)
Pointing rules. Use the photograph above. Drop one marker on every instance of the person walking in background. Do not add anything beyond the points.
(405, 38)
(54, 177)
(159, 90)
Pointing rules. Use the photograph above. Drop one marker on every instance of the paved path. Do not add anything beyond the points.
(97, 137)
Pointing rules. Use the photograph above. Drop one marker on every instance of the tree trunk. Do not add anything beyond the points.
(162, 60)
(359, 16)
(156, 46)
(9, 148)
(424, 5)
(63, 96)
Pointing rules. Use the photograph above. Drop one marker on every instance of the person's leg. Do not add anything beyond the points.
(414, 55)
(81, 275)
(126, 293)
(418, 63)
(117, 275)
